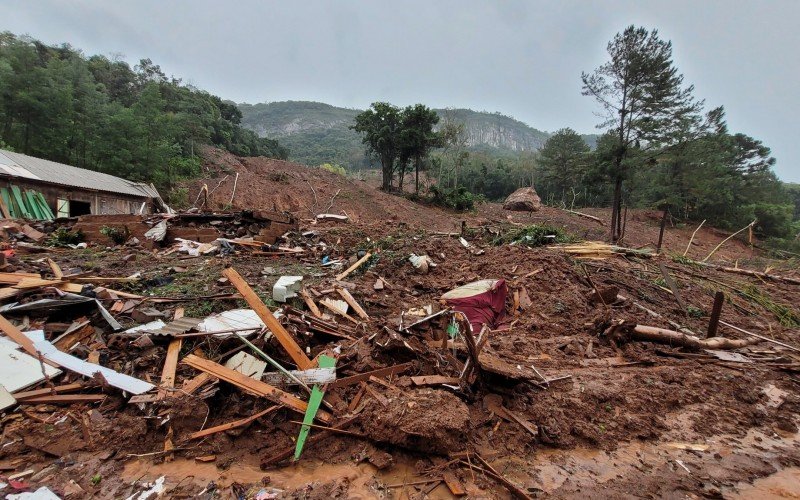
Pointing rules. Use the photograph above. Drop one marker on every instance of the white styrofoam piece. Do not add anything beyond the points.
(246, 364)
(6, 399)
(118, 380)
(19, 370)
(286, 287)
(236, 319)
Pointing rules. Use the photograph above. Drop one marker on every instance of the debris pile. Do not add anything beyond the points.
(361, 343)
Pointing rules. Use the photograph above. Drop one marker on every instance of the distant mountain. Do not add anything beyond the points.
(317, 133)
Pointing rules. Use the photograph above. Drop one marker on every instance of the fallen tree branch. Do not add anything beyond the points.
(664, 336)
(767, 339)
(692, 238)
(623, 332)
(726, 239)
(755, 274)
(592, 217)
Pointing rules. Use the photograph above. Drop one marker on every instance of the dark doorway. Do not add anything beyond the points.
(77, 208)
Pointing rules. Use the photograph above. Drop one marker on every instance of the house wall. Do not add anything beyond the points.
(102, 203)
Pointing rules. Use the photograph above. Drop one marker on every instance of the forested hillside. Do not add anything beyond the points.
(99, 113)
(318, 133)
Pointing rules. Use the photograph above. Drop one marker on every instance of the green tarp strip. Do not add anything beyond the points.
(313, 405)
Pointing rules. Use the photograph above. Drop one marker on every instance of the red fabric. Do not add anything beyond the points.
(487, 308)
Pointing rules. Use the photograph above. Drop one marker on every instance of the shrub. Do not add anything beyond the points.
(458, 198)
(118, 234)
(63, 237)
(334, 168)
(535, 235)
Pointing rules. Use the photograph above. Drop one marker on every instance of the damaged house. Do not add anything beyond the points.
(34, 188)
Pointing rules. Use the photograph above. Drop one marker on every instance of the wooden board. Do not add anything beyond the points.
(310, 303)
(382, 372)
(170, 365)
(352, 302)
(355, 266)
(435, 380)
(64, 399)
(14, 278)
(453, 484)
(232, 425)
(251, 385)
(48, 391)
(285, 339)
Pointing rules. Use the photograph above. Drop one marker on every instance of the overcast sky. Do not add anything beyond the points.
(523, 58)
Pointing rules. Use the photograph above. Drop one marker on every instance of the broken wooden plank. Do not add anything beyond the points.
(310, 303)
(251, 385)
(381, 372)
(283, 336)
(17, 336)
(355, 266)
(47, 391)
(328, 303)
(71, 337)
(352, 302)
(453, 484)
(14, 278)
(232, 425)
(57, 272)
(64, 399)
(170, 365)
(435, 380)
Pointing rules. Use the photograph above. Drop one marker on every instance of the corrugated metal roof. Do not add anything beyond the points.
(29, 167)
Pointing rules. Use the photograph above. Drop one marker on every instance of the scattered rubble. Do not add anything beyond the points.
(247, 338)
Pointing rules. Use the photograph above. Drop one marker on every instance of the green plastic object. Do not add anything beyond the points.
(313, 406)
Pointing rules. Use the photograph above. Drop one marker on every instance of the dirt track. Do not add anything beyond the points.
(617, 427)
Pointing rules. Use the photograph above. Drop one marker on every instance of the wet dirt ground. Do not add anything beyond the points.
(628, 420)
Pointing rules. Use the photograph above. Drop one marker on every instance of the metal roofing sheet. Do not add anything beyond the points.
(29, 167)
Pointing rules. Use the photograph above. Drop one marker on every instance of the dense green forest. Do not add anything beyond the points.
(101, 114)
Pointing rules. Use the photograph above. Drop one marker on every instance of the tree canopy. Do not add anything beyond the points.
(101, 114)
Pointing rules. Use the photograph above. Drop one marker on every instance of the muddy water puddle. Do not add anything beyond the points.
(781, 485)
(361, 477)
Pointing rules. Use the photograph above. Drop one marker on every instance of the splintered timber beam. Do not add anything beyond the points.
(285, 339)
(252, 385)
(355, 266)
(232, 425)
(352, 302)
(382, 372)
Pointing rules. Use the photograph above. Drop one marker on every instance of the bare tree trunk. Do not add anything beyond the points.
(616, 211)
(416, 174)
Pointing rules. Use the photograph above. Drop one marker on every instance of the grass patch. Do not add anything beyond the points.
(785, 314)
(535, 235)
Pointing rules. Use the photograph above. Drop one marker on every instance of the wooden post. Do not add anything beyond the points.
(253, 300)
(661, 231)
(719, 299)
